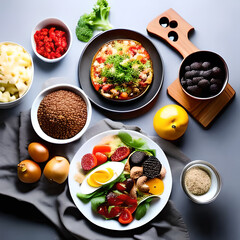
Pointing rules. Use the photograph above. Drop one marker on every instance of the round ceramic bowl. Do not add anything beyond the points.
(9, 104)
(59, 25)
(215, 187)
(35, 106)
(203, 56)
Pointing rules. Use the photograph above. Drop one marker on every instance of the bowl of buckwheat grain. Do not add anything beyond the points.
(61, 113)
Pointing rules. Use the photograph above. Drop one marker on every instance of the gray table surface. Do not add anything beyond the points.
(216, 29)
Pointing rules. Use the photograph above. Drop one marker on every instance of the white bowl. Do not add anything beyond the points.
(48, 23)
(215, 182)
(37, 101)
(5, 105)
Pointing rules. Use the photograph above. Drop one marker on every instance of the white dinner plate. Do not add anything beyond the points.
(156, 205)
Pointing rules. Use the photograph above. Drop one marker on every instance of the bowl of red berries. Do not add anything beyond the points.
(51, 40)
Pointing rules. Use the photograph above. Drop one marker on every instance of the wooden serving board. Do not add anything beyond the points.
(203, 111)
(172, 28)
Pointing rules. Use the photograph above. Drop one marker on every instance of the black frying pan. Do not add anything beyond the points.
(85, 65)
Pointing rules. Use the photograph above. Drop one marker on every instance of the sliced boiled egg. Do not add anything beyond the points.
(101, 175)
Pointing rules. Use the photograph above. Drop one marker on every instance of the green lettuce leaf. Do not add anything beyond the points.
(97, 201)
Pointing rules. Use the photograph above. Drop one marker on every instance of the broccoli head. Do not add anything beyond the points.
(101, 10)
(84, 33)
(96, 20)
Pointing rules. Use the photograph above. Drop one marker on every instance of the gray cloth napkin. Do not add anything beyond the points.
(54, 200)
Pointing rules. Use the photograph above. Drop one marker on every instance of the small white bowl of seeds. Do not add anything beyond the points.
(61, 113)
(201, 181)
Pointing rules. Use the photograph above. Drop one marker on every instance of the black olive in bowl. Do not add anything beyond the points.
(203, 75)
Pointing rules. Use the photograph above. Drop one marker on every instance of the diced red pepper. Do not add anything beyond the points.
(51, 43)
(133, 50)
(96, 86)
(100, 59)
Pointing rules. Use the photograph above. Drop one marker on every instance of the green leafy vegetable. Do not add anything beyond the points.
(138, 144)
(129, 141)
(122, 70)
(142, 209)
(96, 201)
(96, 20)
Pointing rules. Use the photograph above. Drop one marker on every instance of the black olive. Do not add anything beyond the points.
(196, 80)
(189, 82)
(191, 74)
(129, 184)
(206, 65)
(195, 73)
(187, 68)
(214, 89)
(217, 72)
(217, 81)
(196, 65)
(204, 83)
(194, 90)
(188, 74)
(206, 74)
(184, 83)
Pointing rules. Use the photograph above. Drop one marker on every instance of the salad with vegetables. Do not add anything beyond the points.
(120, 176)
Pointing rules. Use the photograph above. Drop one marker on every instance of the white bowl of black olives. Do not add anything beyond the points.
(203, 75)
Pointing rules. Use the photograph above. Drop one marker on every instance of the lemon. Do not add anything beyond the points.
(170, 122)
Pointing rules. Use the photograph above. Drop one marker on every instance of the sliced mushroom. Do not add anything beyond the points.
(163, 172)
(133, 191)
(136, 172)
(141, 184)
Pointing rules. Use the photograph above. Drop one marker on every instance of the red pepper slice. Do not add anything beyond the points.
(125, 217)
(101, 148)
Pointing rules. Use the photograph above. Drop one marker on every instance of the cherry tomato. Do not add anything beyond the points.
(125, 217)
(124, 95)
(101, 158)
(28, 171)
(106, 87)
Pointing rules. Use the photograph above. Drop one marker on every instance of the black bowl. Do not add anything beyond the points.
(204, 56)
(85, 67)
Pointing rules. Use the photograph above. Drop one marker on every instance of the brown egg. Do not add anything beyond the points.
(38, 152)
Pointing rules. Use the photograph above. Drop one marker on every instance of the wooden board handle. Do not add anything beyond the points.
(174, 29)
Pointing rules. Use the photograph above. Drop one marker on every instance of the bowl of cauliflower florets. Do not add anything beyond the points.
(16, 74)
